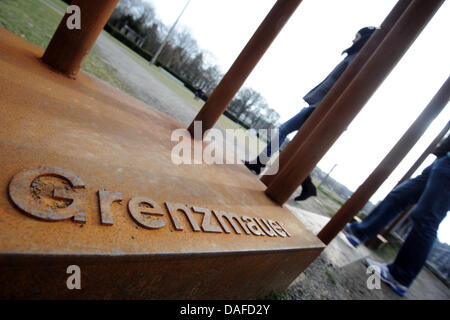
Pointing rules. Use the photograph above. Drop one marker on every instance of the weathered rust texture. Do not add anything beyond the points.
(238, 275)
(265, 227)
(106, 199)
(116, 143)
(68, 48)
(290, 151)
(176, 208)
(253, 226)
(206, 222)
(353, 98)
(231, 218)
(357, 201)
(244, 64)
(21, 184)
(142, 214)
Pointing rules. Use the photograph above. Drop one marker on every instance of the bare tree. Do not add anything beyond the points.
(212, 77)
(244, 100)
(183, 56)
(273, 117)
(147, 15)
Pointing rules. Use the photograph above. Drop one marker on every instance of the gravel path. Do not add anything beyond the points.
(322, 280)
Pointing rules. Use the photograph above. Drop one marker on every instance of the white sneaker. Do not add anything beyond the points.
(387, 277)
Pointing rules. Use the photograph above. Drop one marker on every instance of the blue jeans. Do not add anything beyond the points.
(286, 128)
(430, 192)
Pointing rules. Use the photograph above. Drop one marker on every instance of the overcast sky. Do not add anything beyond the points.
(303, 54)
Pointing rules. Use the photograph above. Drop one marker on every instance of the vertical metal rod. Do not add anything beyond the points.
(244, 64)
(68, 48)
(289, 152)
(353, 98)
(326, 177)
(357, 201)
(166, 39)
(425, 154)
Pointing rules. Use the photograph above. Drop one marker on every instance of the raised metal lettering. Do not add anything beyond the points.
(39, 198)
(141, 210)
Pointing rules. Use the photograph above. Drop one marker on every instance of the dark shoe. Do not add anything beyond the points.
(308, 190)
(255, 167)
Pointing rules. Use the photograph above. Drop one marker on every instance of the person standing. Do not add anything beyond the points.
(313, 98)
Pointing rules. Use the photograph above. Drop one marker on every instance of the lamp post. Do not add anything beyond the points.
(326, 177)
(166, 39)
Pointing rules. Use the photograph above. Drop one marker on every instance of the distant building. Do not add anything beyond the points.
(132, 35)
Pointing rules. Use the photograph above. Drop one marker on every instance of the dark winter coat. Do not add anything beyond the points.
(318, 93)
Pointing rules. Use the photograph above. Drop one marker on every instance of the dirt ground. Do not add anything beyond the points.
(323, 279)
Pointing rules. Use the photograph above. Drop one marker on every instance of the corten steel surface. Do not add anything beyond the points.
(113, 151)
(68, 48)
(289, 152)
(360, 197)
(353, 98)
(244, 64)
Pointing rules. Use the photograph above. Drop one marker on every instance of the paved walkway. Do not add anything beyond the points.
(339, 252)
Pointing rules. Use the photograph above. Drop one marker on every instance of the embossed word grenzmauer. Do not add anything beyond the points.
(54, 194)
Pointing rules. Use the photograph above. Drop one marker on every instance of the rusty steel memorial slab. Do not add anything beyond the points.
(87, 180)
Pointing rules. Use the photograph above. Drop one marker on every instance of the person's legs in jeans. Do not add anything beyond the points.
(285, 129)
(429, 212)
(399, 199)
(278, 139)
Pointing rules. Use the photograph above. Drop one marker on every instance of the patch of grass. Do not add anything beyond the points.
(331, 211)
(339, 202)
(180, 89)
(330, 275)
(37, 22)
(58, 3)
(31, 20)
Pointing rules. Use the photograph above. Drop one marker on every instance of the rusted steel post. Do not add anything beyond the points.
(69, 47)
(357, 201)
(327, 103)
(425, 154)
(353, 98)
(244, 64)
